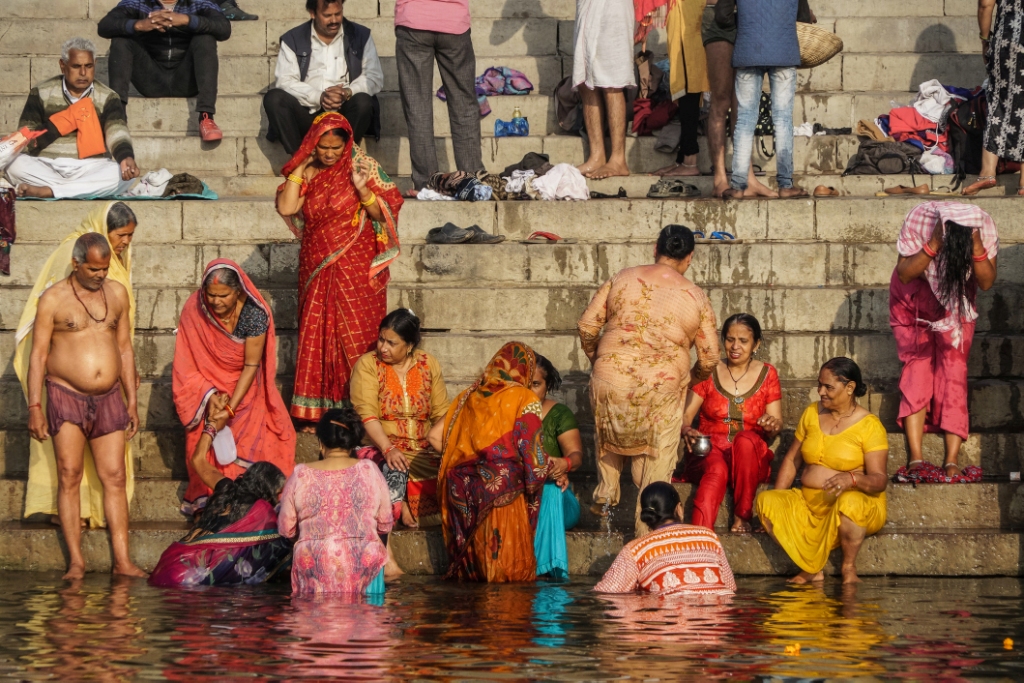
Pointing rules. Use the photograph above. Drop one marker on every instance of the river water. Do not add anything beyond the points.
(425, 629)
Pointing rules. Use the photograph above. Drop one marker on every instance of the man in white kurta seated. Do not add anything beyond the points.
(326, 64)
(86, 150)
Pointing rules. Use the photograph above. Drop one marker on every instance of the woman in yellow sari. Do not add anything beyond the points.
(842, 496)
(493, 468)
(117, 222)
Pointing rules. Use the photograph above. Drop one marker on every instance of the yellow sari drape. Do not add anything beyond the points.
(41, 489)
(689, 67)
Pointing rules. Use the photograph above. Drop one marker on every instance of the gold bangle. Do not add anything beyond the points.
(298, 180)
(371, 202)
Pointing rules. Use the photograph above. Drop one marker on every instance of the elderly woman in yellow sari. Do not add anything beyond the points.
(841, 499)
(117, 222)
(493, 468)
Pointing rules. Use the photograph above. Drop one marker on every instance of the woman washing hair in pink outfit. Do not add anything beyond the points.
(946, 251)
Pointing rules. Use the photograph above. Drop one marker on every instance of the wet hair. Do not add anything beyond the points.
(315, 5)
(404, 323)
(231, 500)
(86, 243)
(675, 241)
(551, 375)
(79, 44)
(658, 504)
(954, 264)
(846, 370)
(119, 216)
(223, 276)
(744, 319)
(340, 428)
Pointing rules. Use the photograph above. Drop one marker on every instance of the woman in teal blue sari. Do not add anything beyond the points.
(559, 509)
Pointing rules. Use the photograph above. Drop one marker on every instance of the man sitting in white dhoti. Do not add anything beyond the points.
(602, 69)
(86, 151)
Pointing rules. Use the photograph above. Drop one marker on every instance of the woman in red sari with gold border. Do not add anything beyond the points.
(344, 208)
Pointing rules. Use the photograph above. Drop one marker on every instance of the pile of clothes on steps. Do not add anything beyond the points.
(925, 136)
(531, 178)
(497, 80)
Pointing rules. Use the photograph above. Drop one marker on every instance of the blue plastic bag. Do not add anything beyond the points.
(518, 127)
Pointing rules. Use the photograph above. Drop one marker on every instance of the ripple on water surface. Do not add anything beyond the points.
(425, 629)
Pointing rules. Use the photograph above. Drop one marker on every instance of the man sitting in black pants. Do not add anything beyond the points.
(327, 64)
(168, 48)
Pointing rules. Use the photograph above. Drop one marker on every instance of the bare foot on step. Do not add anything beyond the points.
(129, 570)
(26, 190)
(741, 526)
(590, 165)
(407, 518)
(850, 575)
(678, 170)
(609, 170)
(75, 572)
(805, 577)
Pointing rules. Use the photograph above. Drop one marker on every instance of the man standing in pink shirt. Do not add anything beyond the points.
(437, 29)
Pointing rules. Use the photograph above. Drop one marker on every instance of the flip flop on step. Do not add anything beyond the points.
(621, 194)
(540, 237)
(822, 191)
(481, 237)
(716, 237)
(673, 188)
(903, 189)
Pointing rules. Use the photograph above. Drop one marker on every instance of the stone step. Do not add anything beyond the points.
(514, 9)
(242, 115)
(515, 36)
(255, 156)
(995, 405)
(251, 221)
(923, 508)
(980, 552)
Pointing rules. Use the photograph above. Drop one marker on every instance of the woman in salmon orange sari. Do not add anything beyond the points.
(226, 352)
(344, 208)
(492, 472)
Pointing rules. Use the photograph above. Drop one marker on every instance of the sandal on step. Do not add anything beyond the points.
(822, 191)
(983, 182)
(540, 237)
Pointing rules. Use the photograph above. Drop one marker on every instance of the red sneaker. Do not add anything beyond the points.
(208, 130)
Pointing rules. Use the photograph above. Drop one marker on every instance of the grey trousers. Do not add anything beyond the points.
(415, 52)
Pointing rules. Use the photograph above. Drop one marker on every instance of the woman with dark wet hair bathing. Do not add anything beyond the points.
(947, 251)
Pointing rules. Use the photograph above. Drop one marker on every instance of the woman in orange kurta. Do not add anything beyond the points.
(345, 209)
(399, 392)
(650, 316)
(493, 469)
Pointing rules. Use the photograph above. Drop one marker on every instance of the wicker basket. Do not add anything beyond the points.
(817, 45)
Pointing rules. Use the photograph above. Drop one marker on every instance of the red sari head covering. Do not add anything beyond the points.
(209, 359)
(339, 196)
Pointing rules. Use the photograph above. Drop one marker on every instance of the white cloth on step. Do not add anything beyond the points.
(428, 195)
(69, 178)
(518, 181)
(152, 184)
(603, 44)
(563, 181)
(932, 101)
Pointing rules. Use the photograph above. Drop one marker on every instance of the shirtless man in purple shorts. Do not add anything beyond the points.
(82, 348)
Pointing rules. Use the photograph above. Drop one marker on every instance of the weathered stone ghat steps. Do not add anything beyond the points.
(980, 552)
(922, 508)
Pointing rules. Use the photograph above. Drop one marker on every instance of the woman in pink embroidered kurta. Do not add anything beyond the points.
(651, 317)
(340, 509)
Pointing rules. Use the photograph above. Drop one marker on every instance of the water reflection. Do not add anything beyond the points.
(75, 633)
(424, 629)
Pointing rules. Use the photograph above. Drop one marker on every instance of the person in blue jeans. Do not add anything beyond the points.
(765, 44)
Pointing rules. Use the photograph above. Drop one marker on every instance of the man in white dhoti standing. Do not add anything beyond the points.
(86, 151)
(602, 69)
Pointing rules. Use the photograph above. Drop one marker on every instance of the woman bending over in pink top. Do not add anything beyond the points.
(339, 509)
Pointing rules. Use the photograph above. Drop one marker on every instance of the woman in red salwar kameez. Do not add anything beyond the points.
(344, 208)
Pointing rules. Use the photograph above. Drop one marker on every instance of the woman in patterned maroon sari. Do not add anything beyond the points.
(344, 208)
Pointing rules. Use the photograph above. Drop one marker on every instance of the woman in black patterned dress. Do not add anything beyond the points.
(1003, 47)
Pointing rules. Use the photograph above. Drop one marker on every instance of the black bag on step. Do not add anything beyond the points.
(966, 130)
(882, 157)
